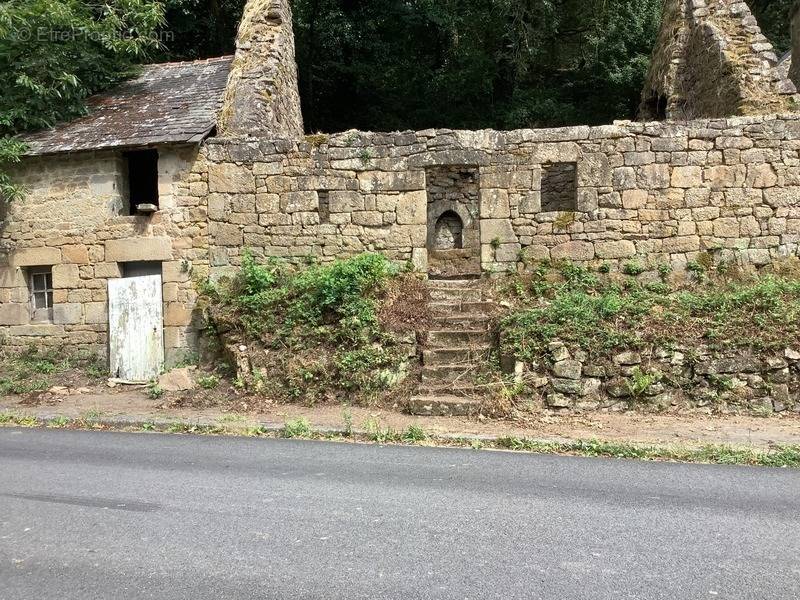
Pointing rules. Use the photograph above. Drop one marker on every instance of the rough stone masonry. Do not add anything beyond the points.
(724, 188)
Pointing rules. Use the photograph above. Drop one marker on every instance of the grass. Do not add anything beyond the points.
(787, 456)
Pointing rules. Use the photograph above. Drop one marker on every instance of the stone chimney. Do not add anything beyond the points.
(262, 99)
(794, 70)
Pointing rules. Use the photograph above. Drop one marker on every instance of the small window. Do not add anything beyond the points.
(40, 286)
(142, 181)
(324, 206)
(449, 232)
(559, 187)
(141, 268)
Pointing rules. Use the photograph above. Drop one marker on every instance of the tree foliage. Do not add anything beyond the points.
(393, 64)
(54, 53)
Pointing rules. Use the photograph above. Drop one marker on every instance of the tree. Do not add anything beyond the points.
(54, 53)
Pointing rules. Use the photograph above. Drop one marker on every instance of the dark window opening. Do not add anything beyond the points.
(40, 288)
(324, 206)
(559, 187)
(141, 268)
(142, 181)
(449, 233)
(656, 107)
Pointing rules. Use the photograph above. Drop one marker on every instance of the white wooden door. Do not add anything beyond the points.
(136, 327)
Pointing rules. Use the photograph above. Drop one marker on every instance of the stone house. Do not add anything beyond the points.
(173, 174)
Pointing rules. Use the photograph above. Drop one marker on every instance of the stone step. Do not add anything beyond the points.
(475, 322)
(451, 308)
(451, 283)
(440, 294)
(458, 338)
(454, 356)
(441, 374)
(443, 406)
(460, 389)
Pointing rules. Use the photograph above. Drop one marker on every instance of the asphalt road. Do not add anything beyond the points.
(108, 515)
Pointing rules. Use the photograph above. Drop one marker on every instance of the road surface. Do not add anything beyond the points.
(88, 515)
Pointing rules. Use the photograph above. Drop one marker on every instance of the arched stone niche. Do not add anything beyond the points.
(453, 228)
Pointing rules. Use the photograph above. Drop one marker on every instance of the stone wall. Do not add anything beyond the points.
(73, 219)
(656, 193)
(670, 379)
(712, 60)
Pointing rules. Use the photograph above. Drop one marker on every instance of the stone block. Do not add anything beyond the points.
(139, 249)
(568, 369)
(175, 271)
(225, 234)
(230, 178)
(531, 203)
(38, 330)
(497, 229)
(345, 202)
(495, 204)
(177, 314)
(653, 177)
(419, 260)
(380, 181)
(14, 314)
(293, 202)
(106, 270)
(11, 277)
(634, 199)
(96, 313)
(35, 257)
(615, 249)
(573, 251)
(726, 227)
(66, 276)
(687, 177)
(412, 208)
(216, 206)
(368, 218)
(67, 314)
(77, 254)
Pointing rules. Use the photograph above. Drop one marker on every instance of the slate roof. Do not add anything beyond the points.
(169, 103)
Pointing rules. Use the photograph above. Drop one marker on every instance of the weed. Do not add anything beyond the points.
(633, 268)
(604, 268)
(154, 391)
(640, 381)
(365, 156)
(347, 417)
(664, 270)
(414, 433)
(58, 422)
(495, 243)
(208, 382)
(378, 433)
(296, 428)
(564, 221)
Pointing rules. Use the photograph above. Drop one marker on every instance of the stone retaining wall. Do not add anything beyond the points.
(670, 379)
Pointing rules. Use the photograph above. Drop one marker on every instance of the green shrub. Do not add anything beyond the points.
(319, 325)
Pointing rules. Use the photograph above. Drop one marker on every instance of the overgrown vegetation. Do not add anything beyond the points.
(318, 332)
(601, 313)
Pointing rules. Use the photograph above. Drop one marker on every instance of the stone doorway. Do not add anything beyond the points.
(453, 234)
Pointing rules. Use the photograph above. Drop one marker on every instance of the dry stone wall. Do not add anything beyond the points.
(669, 379)
(726, 190)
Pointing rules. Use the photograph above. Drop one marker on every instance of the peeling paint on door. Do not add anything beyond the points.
(136, 327)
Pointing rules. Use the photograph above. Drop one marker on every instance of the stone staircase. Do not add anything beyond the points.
(455, 347)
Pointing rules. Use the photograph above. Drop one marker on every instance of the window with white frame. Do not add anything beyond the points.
(40, 286)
